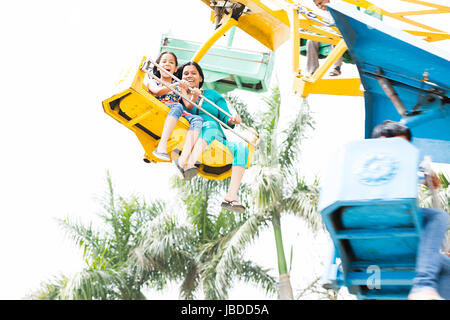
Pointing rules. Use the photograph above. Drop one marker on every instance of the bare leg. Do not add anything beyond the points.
(237, 174)
(169, 125)
(199, 146)
(189, 142)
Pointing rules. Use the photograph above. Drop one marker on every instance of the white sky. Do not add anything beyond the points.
(59, 60)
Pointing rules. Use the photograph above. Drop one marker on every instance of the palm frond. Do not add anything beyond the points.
(109, 204)
(50, 289)
(191, 281)
(296, 131)
(198, 186)
(303, 201)
(252, 273)
(231, 248)
(210, 291)
(271, 117)
(166, 247)
(90, 240)
(444, 193)
(92, 285)
(268, 151)
(444, 179)
(267, 154)
(269, 182)
(196, 196)
(242, 109)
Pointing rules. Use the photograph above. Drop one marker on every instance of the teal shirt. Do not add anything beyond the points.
(211, 129)
(208, 122)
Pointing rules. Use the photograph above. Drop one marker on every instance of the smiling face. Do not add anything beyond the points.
(321, 4)
(192, 76)
(169, 63)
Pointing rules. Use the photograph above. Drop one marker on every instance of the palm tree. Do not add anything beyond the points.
(192, 249)
(278, 187)
(206, 250)
(150, 245)
(108, 275)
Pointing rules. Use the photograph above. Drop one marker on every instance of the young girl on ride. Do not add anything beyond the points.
(169, 62)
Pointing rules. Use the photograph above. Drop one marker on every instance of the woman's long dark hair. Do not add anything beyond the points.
(156, 72)
(179, 73)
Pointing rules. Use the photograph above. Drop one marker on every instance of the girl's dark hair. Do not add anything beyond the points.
(156, 72)
(390, 129)
(179, 72)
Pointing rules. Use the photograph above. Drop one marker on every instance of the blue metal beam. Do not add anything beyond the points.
(417, 71)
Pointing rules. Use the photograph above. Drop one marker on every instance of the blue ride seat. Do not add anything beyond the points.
(368, 203)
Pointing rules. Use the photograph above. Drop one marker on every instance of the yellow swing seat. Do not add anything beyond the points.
(145, 115)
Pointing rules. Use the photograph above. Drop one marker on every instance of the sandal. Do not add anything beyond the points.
(335, 72)
(190, 173)
(180, 169)
(161, 155)
(228, 205)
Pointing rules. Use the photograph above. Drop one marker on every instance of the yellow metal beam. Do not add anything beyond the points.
(414, 23)
(295, 38)
(317, 38)
(316, 85)
(309, 26)
(352, 87)
(304, 28)
(335, 54)
(273, 27)
(339, 87)
(430, 36)
(268, 26)
(419, 12)
(398, 16)
(429, 4)
(216, 36)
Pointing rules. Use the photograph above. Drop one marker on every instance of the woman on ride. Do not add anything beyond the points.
(192, 73)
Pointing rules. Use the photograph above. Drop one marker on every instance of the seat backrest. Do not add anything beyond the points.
(372, 169)
(368, 202)
(226, 68)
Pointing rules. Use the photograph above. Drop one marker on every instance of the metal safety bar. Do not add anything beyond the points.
(146, 68)
(313, 16)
